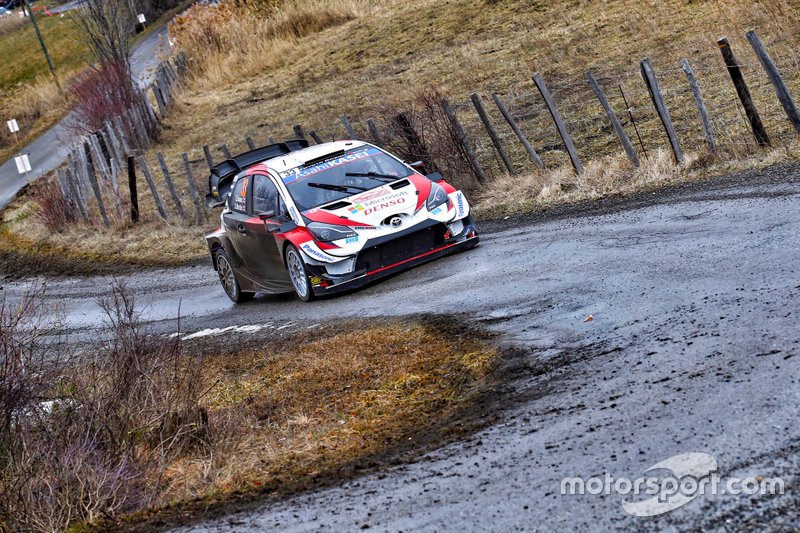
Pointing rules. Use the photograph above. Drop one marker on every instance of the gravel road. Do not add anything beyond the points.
(693, 346)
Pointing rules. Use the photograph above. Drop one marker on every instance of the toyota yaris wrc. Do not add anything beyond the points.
(327, 218)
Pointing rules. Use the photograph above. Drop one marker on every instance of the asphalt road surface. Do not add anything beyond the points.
(51, 149)
(694, 346)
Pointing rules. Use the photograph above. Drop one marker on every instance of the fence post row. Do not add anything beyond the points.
(374, 133)
(520, 135)
(351, 133)
(152, 184)
(132, 187)
(743, 92)
(653, 88)
(313, 134)
(623, 137)
(705, 120)
(464, 141)
(562, 128)
(76, 195)
(90, 172)
(298, 133)
(172, 192)
(251, 144)
(476, 102)
(774, 75)
(198, 206)
(416, 147)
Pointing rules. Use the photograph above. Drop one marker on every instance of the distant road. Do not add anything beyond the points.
(52, 147)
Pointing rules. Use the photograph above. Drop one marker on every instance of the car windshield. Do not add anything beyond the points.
(342, 175)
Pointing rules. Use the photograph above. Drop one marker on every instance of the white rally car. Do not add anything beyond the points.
(329, 217)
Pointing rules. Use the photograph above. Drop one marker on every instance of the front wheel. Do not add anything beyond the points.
(227, 277)
(297, 273)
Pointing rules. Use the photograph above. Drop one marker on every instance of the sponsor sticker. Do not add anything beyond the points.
(299, 173)
(315, 280)
(356, 209)
(316, 253)
(350, 240)
(460, 203)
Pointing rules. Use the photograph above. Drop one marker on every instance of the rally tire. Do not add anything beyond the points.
(298, 274)
(227, 277)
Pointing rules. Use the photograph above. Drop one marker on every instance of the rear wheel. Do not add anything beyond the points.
(227, 277)
(297, 273)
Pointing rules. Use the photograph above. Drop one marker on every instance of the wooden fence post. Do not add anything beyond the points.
(162, 106)
(121, 135)
(298, 132)
(152, 184)
(372, 127)
(519, 133)
(348, 127)
(113, 145)
(562, 128)
(464, 142)
(743, 92)
(700, 103)
(774, 75)
(99, 158)
(416, 147)
(653, 88)
(115, 185)
(317, 138)
(133, 189)
(90, 172)
(196, 200)
(251, 144)
(76, 195)
(224, 149)
(623, 137)
(151, 114)
(476, 102)
(207, 153)
(62, 184)
(171, 186)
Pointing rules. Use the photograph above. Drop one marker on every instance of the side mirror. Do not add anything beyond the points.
(266, 215)
(417, 165)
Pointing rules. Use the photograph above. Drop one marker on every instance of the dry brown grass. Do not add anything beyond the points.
(301, 410)
(614, 175)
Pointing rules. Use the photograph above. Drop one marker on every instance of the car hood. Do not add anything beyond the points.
(376, 207)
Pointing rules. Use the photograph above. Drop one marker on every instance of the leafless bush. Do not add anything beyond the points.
(419, 129)
(52, 209)
(113, 422)
(101, 94)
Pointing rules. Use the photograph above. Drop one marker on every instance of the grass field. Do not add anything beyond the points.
(27, 90)
(310, 62)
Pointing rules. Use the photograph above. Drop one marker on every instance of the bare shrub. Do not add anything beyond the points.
(101, 94)
(419, 129)
(52, 210)
(113, 422)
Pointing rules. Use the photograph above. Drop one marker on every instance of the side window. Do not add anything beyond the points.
(239, 195)
(265, 195)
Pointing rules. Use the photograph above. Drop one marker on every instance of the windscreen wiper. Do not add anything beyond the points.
(376, 175)
(332, 187)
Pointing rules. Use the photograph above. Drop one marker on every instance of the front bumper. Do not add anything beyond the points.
(378, 260)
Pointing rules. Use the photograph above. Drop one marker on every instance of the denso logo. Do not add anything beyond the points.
(384, 205)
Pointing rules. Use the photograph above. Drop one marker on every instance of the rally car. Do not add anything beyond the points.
(322, 219)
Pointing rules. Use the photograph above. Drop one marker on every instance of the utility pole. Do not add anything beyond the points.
(44, 47)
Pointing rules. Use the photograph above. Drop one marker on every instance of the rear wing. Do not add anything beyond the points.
(221, 177)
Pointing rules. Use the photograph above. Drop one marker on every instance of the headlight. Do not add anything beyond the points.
(329, 232)
(437, 197)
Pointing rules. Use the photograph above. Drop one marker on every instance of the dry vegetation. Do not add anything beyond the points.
(259, 71)
(145, 423)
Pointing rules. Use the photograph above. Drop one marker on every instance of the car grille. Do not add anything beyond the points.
(405, 247)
